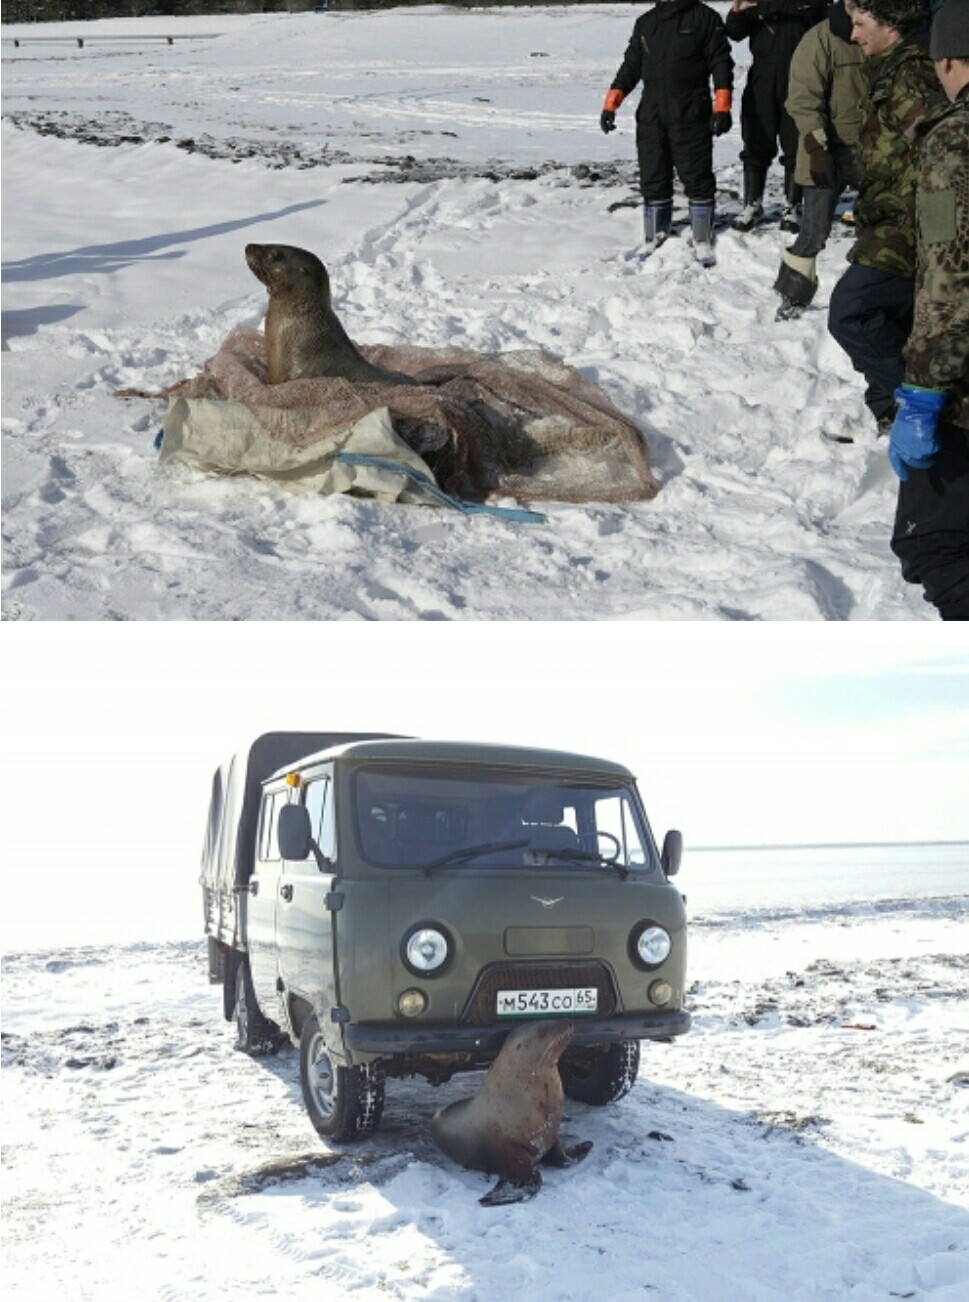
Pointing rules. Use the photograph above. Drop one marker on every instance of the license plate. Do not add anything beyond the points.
(547, 1003)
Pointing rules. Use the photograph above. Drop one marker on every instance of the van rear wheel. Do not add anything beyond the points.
(255, 1034)
(601, 1073)
(344, 1103)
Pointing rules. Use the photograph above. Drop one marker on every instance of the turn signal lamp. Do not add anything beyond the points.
(660, 993)
(293, 780)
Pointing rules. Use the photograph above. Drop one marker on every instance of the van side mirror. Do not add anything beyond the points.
(672, 852)
(294, 832)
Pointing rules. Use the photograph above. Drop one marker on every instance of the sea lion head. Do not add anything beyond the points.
(290, 272)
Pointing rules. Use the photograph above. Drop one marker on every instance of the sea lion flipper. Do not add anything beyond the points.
(559, 1156)
(513, 1191)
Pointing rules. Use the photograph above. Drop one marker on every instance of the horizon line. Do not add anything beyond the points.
(820, 845)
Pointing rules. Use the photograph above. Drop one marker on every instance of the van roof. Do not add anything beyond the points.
(460, 752)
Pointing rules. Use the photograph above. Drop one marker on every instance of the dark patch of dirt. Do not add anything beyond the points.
(340, 1169)
(845, 995)
(110, 130)
(790, 1121)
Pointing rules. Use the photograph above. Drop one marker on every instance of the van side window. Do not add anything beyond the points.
(264, 819)
(272, 803)
(327, 837)
(316, 793)
(613, 818)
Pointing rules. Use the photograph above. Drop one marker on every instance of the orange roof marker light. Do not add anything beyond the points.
(293, 780)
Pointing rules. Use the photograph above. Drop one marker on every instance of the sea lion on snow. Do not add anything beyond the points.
(513, 1121)
(304, 337)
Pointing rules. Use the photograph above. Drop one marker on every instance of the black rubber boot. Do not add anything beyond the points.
(657, 218)
(701, 223)
(791, 215)
(753, 210)
(796, 288)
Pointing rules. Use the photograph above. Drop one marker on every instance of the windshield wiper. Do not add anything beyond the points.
(585, 856)
(472, 852)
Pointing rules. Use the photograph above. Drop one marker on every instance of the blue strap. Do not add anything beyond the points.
(518, 513)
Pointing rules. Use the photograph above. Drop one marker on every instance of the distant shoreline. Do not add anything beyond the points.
(821, 845)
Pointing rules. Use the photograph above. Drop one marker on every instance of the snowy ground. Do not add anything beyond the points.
(449, 168)
(807, 1140)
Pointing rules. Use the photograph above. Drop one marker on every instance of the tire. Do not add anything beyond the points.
(255, 1034)
(600, 1074)
(345, 1104)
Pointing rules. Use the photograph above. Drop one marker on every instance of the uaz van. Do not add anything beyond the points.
(395, 907)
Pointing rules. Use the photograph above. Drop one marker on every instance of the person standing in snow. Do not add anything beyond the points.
(675, 50)
(870, 313)
(929, 442)
(825, 97)
(773, 28)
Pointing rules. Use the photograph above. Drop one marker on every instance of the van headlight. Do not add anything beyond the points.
(425, 950)
(652, 945)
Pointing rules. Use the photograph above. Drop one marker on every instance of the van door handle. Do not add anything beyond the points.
(286, 892)
(254, 886)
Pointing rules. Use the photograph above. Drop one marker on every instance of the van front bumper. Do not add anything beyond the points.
(409, 1039)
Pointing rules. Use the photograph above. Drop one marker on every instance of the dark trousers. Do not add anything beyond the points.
(817, 213)
(682, 139)
(870, 315)
(764, 120)
(931, 536)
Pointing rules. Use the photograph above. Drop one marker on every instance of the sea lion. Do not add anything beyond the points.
(304, 337)
(513, 1121)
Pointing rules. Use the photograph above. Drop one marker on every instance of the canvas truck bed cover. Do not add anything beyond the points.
(230, 835)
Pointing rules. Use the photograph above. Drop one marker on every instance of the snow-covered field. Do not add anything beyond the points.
(449, 168)
(807, 1140)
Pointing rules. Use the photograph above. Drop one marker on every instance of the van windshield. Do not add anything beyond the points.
(428, 816)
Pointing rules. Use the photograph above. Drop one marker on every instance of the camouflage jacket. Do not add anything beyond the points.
(904, 99)
(937, 353)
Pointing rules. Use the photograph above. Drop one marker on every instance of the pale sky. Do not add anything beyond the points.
(738, 734)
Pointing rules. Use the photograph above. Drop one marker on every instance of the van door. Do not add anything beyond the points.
(263, 895)
(304, 922)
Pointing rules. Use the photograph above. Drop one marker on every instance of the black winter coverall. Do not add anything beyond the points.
(774, 29)
(675, 49)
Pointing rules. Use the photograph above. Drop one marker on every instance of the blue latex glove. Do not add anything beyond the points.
(914, 440)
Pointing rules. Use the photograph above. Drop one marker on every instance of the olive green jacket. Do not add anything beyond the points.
(937, 352)
(825, 93)
(904, 99)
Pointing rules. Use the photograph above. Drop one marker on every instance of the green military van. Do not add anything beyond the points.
(396, 906)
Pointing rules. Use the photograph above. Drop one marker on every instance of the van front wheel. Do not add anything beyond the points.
(601, 1073)
(344, 1103)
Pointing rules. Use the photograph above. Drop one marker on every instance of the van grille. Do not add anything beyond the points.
(480, 1008)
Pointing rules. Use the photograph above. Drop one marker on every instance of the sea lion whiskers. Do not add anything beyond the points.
(557, 1045)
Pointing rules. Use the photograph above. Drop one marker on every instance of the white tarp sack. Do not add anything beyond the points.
(279, 444)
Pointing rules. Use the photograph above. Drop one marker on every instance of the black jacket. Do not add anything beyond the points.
(675, 48)
(775, 27)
